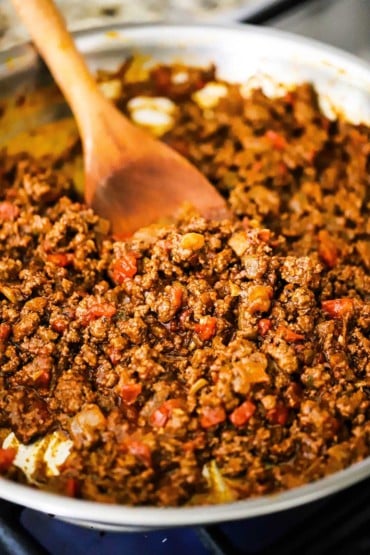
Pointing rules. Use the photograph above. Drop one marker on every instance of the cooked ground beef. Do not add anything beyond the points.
(198, 361)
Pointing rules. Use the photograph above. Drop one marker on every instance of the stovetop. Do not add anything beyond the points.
(339, 524)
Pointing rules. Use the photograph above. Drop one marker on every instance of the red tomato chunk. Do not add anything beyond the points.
(7, 456)
(5, 330)
(243, 413)
(97, 310)
(140, 450)
(278, 415)
(277, 141)
(60, 259)
(290, 335)
(206, 329)
(161, 415)
(130, 392)
(264, 325)
(124, 268)
(212, 416)
(338, 308)
(8, 211)
(71, 489)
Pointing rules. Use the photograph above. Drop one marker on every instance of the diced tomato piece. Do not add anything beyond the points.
(276, 139)
(39, 371)
(243, 413)
(278, 415)
(327, 249)
(124, 268)
(60, 259)
(103, 309)
(7, 456)
(72, 487)
(95, 311)
(5, 330)
(174, 404)
(206, 328)
(43, 378)
(140, 450)
(160, 416)
(59, 324)
(290, 335)
(211, 416)
(264, 325)
(198, 442)
(338, 308)
(8, 211)
(189, 446)
(130, 392)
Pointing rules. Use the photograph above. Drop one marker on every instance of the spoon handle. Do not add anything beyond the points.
(56, 46)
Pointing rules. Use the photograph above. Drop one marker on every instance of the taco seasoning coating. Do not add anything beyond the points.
(199, 361)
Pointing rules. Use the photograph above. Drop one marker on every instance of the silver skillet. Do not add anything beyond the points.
(242, 54)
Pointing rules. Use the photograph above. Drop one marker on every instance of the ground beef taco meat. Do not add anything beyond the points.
(197, 361)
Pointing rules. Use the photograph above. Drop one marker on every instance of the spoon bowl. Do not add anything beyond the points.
(131, 179)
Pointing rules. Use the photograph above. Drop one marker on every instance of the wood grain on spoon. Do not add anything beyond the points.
(130, 178)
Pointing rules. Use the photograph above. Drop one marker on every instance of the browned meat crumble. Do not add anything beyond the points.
(200, 361)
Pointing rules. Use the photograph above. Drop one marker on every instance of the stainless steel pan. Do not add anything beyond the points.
(242, 54)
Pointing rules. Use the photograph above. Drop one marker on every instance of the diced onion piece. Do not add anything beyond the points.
(150, 117)
(192, 241)
(52, 449)
(209, 96)
(86, 424)
(338, 308)
(154, 113)
(111, 89)
(159, 103)
(179, 77)
(56, 452)
(234, 290)
(222, 493)
(239, 242)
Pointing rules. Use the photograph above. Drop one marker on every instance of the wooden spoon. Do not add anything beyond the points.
(130, 178)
